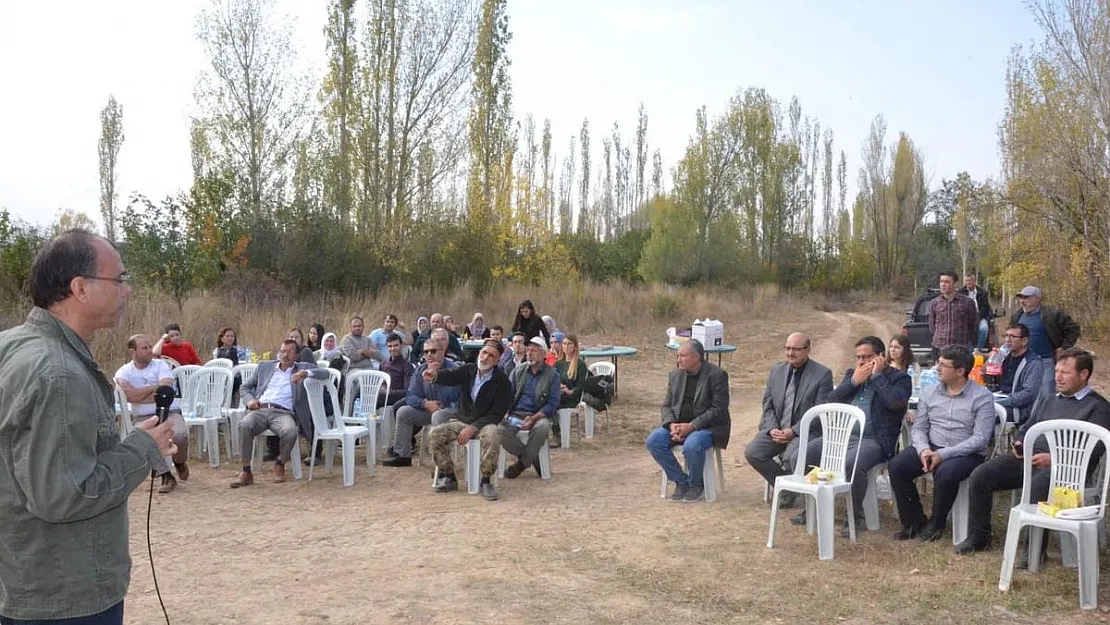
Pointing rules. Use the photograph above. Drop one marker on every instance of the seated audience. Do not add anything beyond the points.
(955, 420)
(477, 328)
(555, 354)
(330, 348)
(695, 415)
(1074, 399)
(380, 336)
(399, 368)
(227, 346)
(139, 378)
(1022, 375)
(316, 337)
(549, 323)
(451, 327)
(535, 401)
(901, 356)
(497, 333)
(425, 404)
(485, 397)
(528, 324)
(882, 392)
(277, 402)
(171, 345)
(359, 349)
(572, 373)
(794, 386)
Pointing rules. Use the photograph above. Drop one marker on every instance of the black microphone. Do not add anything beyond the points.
(163, 397)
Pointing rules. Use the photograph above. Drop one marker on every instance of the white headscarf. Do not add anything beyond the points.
(324, 353)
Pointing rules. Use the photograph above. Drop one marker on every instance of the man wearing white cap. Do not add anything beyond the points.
(1051, 331)
(535, 401)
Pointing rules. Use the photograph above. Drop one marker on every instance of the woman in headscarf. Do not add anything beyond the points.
(304, 354)
(477, 328)
(315, 336)
(329, 348)
(529, 324)
(419, 335)
(549, 323)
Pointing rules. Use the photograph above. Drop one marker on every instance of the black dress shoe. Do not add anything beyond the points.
(973, 544)
(488, 491)
(907, 533)
(514, 470)
(930, 534)
(397, 461)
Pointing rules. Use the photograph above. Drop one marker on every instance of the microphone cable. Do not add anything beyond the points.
(150, 552)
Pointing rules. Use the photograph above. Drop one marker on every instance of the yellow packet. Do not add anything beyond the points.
(1047, 509)
(811, 477)
(1064, 498)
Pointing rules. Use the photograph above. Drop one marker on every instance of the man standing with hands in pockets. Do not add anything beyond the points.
(65, 475)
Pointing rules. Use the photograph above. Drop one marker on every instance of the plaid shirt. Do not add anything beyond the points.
(953, 321)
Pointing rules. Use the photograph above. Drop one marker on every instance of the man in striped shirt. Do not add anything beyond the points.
(953, 318)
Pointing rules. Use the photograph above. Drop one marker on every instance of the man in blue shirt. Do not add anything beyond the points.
(426, 403)
(535, 401)
(380, 336)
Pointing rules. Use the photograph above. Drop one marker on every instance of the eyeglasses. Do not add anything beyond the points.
(1014, 336)
(944, 365)
(123, 278)
(796, 349)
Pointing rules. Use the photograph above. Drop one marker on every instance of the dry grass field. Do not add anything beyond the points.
(594, 545)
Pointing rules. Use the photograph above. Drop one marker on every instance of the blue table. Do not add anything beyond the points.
(477, 344)
(715, 349)
(613, 353)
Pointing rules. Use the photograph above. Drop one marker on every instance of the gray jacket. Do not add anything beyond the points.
(253, 390)
(711, 399)
(65, 476)
(813, 389)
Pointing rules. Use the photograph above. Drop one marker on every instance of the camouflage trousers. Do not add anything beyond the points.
(441, 436)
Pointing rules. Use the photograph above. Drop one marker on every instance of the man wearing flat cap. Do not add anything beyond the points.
(1051, 331)
(535, 401)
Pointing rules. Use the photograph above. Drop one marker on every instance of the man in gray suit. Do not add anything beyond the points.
(695, 415)
(274, 397)
(794, 387)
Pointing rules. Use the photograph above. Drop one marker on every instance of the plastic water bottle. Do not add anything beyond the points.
(929, 378)
(915, 375)
(358, 407)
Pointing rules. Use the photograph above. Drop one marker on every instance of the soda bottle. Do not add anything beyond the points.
(993, 365)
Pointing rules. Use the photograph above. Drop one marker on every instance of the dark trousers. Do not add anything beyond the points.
(906, 467)
(111, 616)
(1001, 473)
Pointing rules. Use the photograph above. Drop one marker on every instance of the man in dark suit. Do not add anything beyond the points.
(982, 301)
(486, 397)
(695, 415)
(275, 398)
(795, 385)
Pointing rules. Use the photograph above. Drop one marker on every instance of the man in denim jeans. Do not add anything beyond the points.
(695, 416)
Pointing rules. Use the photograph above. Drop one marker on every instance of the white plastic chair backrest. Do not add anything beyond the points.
(173, 363)
(314, 390)
(209, 392)
(220, 362)
(838, 421)
(125, 424)
(323, 363)
(1000, 413)
(602, 368)
(183, 375)
(1071, 445)
(335, 376)
(370, 384)
(246, 373)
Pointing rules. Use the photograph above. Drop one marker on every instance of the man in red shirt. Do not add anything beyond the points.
(171, 346)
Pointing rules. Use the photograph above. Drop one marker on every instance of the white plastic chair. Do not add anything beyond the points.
(125, 423)
(334, 376)
(472, 467)
(372, 385)
(712, 477)
(323, 364)
(838, 421)
(325, 431)
(564, 415)
(246, 373)
(173, 363)
(208, 396)
(587, 411)
(545, 458)
(181, 376)
(223, 363)
(871, 498)
(1003, 432)
(1071, 444)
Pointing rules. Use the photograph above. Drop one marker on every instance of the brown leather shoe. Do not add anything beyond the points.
(279, 473)
(168, 484)
(182, 471)
(243, 479)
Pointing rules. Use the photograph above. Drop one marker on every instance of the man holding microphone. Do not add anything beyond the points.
(65, 475)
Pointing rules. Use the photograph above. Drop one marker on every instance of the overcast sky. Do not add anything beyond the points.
(933, 69)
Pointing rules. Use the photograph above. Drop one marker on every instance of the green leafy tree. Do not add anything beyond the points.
(158, 249)
(111, 139)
